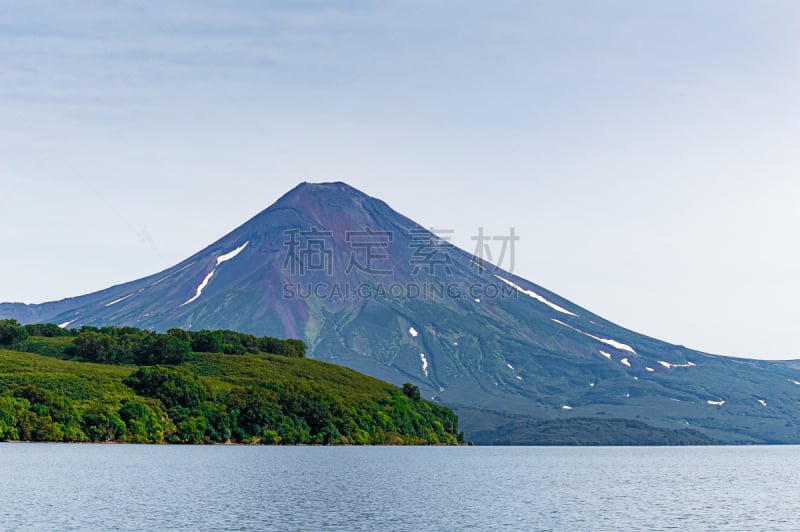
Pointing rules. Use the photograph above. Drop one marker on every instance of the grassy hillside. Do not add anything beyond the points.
(249, 398)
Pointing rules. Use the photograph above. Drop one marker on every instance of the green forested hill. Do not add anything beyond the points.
(206, 398)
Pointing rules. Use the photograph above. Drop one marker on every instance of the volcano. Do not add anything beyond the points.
(368, 288)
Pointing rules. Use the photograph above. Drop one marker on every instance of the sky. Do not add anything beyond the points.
(646, 153)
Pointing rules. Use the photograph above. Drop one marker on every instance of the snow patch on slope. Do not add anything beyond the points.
(613, 343)
(413, 332)
(536, 296)
(228, 256)
(715, 403)
(200, 288)
(120, 299)
(669, 365)
(424, 363)
(222, 258)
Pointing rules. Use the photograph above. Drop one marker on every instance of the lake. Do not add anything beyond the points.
(138, 487)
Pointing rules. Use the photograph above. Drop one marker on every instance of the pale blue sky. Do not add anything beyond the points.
(646, 152)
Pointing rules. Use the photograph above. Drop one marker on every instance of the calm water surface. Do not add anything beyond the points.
(130, 487)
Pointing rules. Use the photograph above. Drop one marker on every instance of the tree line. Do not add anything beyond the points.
(130, 345)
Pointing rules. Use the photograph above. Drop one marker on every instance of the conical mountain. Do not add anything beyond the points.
(368, 288)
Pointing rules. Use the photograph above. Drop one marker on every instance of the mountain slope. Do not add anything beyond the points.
(402, 306)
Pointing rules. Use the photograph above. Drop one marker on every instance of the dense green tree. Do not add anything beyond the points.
(205, 341)
(180, 334)
(218, 421)
(291, 347)
(314, 404)
(161, 349)
(190, 430)
(94, 346)
(411, 391)
(47, 402)
(48, 330)
(231, 342)
(172, 386)
(272, 345)
(11, 332)
(102, 423)
(249, 342)
(295, 348)
(294, 430)
(253, 411)
(43, 428)
(54, 413)
(8, 418)
(144, 423)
